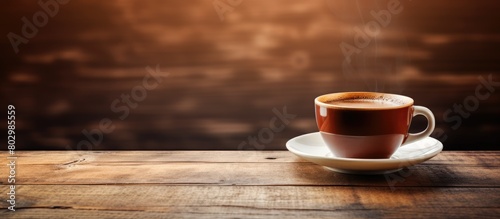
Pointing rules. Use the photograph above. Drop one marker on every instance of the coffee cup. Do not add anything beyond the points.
(368, 125)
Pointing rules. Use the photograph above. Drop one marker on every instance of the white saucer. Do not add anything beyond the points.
(312, 148)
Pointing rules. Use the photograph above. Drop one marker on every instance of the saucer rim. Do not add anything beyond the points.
(425, 155)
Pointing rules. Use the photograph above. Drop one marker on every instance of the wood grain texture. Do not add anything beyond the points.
(239, 184)
(139, 201)
(478, 169)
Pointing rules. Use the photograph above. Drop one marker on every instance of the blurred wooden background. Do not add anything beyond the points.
(223, 78)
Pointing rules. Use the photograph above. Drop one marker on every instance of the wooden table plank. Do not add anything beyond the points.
(243, 212)
(232, 184)
(248, 174)
(130, 201)
(457, 169)
(61, 157)
(487, 158)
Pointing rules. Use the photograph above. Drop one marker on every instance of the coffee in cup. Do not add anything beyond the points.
(368, 124)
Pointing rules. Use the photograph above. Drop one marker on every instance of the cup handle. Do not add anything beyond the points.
(420, 110)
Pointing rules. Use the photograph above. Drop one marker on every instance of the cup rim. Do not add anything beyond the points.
(407, 101)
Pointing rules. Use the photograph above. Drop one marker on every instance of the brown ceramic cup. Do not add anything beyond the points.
(368, 124)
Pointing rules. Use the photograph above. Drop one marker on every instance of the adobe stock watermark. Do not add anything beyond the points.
(454, 117)
(364, 36)
(225, 6)
(11, 158)
(265, 135)
(400, 176)
(456, 114)
(39, 20)
(122, 107)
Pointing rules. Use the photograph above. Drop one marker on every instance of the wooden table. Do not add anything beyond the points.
(244, 184)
